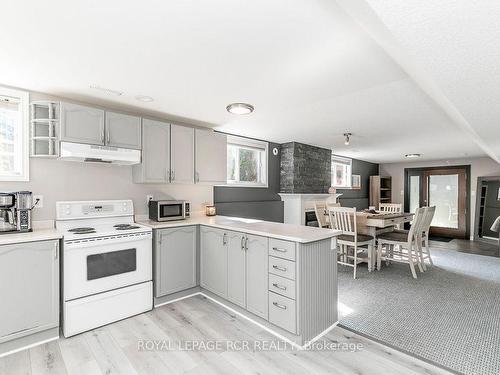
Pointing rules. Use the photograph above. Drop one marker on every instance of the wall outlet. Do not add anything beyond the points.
(148, 198)
(40, 201)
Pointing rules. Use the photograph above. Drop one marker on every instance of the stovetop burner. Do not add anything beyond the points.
(125, 226)
(82, 230)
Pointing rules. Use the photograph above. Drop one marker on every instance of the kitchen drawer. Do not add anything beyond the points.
(282, 249)
(282, 267)
(282, 312)
(280, 285)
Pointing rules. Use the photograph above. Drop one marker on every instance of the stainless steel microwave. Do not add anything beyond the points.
(169, 210)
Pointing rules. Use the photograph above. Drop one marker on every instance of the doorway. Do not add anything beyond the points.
(446, 188)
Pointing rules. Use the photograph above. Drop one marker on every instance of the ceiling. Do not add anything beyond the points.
(313, 69)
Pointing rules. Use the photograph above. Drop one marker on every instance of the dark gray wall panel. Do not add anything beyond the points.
(492, 208)
(359, 198)
(263, 210)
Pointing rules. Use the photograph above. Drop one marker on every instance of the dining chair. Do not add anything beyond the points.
(344, 219)
(321, 214)
(424, 243)
(393, 208)
(403, 247)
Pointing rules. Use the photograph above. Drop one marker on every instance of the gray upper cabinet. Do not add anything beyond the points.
(29, 281)
(236, 268)
(123, 130)
(211, 157)
(155, 165)
(175, 260)
(82, 124)
(257, 275)
(213, 254)
(182, 154)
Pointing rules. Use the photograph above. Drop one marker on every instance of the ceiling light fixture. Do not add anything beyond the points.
(347, 138)
(412, 156)
(106, 90)
(144, 98)
(240, 108)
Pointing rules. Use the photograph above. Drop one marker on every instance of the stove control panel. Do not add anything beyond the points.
(90, 209)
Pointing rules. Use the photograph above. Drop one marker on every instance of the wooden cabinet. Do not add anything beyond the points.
(82, 124)
(175, 260)
(213, 254)
(29, 288)
(123, 130)
(211, 157)
(236, 264)
(182, 154)
(155, 163)
(380, 190)
(256, 275)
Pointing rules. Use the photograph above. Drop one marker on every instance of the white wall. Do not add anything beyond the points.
(480, 167)
(60, 180)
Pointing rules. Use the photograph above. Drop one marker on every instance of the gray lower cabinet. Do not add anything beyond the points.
(29, 288)
(123, 130)
(236, 265)
(256, 275)
(175, 259)
(213, 254)
(82, 124)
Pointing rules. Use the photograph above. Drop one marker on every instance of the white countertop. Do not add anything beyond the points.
(289, 232)
(35, 235)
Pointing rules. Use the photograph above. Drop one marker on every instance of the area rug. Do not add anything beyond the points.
(450, 315)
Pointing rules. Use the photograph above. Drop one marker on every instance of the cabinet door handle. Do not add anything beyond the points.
(196, 177)
(107, 137)
(282, 287)
(246, 243)
(173, 176)
(102, 136)
(242, 243)
(283, 269)
(56, 251)
(224, 239)
(279, 250)
(279, 305)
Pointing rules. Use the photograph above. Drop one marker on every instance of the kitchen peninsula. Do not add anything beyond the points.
(280, 275)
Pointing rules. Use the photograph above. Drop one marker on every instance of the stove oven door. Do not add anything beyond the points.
(102, 264)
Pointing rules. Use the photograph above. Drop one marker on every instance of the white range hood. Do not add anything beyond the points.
(99, 154)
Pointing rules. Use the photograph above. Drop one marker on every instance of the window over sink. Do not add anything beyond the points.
(246, 162)
(14, 118)
(341, 172)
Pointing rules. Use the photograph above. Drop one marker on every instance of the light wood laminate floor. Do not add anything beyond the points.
(113, 349)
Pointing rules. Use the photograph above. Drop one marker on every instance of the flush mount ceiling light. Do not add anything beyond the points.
(347, 138)
(412, 156)
(144, 98)
(240, 108)
(106, 90)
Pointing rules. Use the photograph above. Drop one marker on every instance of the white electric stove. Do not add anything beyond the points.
(107, 263)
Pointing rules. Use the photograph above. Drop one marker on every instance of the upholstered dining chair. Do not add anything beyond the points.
(344, 219)
(403, 247)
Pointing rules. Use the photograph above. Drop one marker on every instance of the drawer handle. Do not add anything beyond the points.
(279, 250)
(279, 286)
(279, 306)
(283, 269)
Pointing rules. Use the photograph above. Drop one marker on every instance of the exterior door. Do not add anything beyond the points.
(447, 190)
(236, 268)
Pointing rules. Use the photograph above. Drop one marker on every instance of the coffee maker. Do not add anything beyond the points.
(15, 212)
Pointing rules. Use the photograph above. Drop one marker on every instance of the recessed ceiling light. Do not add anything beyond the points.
(412, 156)
(144, 98)
(240, 108)
(106, 90)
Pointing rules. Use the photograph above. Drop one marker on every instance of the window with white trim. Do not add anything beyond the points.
(246, 162)
(341, 172)
(14, 117)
